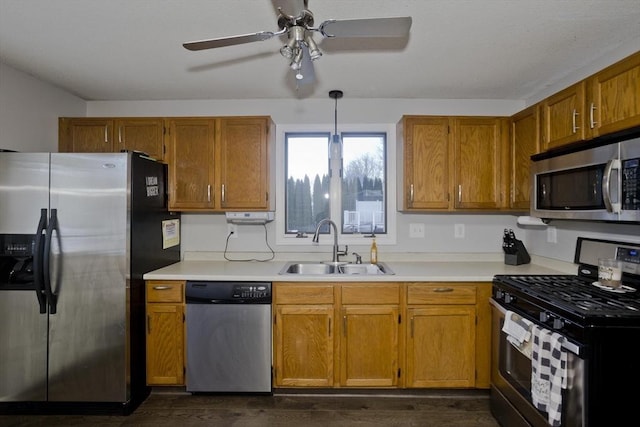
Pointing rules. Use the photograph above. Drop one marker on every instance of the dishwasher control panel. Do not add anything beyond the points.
(252, 291)
(205, 292)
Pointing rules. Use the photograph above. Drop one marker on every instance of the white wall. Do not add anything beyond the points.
(29, 111)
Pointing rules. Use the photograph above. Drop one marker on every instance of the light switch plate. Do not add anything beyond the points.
(458, 231)
(552, 235)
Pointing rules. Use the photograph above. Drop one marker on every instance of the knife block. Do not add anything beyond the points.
(521, 256)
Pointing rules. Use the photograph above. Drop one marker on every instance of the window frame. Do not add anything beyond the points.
(335, 196)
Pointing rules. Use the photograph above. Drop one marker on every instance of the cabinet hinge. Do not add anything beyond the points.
(183, 318)
(266, 196)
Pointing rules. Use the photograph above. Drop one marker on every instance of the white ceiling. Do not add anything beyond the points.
(457, 49)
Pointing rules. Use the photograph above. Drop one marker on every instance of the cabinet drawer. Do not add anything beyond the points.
(312, 293)
(165, 291)
(371, 293)
(441, 293)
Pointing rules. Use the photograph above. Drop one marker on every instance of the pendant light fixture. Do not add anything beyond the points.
(336, 140)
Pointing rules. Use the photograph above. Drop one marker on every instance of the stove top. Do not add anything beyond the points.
(571, 296)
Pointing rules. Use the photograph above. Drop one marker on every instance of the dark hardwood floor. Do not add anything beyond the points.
(178, 409)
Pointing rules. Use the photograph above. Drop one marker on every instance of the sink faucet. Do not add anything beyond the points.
(336, 254)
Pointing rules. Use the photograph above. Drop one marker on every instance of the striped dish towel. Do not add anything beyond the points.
(518, 330)
(548, 373)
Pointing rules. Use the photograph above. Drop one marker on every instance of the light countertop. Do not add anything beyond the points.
(405, 271)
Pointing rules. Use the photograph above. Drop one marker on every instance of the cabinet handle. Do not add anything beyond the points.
(573, 121)
(411, 193)
(329, 327)
(161, 288)
(344, 325)
(120, 134)
(440, 290)
(459, 193)
(106, 133)
(223, 192)
(412, 326)
(148, 324)
(209, 193)
(592, 110)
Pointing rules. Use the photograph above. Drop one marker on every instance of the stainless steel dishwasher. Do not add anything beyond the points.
(228, 337)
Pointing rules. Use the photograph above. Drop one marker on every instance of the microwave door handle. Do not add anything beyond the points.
(615, 207)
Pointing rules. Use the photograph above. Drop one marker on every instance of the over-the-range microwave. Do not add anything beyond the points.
(598, 183)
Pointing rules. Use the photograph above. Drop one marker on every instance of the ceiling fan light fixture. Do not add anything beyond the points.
(314, 51)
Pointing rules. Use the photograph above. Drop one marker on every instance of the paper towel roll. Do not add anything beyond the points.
(531, 220)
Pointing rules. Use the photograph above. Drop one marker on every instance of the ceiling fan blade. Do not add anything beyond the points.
(290, 7)
(373, 27)
(230, 41)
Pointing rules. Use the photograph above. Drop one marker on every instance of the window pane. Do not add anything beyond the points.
(307, 188)
(363, 183)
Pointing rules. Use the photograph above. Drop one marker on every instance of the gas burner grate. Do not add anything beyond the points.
(574, 294)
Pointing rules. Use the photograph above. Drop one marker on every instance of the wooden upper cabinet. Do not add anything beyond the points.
(85, 135)
(614, 97)
(140, 134)
(244, 163)
(111, 135)
(425, 160)
(525, 142)
(563, 117)
(190, 155)
(479, 150)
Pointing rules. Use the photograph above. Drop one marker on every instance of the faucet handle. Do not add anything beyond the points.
(340, 253)
(358, 258)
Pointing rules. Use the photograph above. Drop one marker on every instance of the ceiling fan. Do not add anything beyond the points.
(295, 21)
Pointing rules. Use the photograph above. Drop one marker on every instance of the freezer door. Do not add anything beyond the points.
(24, 191)
(88, 337)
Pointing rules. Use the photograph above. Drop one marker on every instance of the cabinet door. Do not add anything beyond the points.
(369, 346)
(80, 135)
(525, 141)
(615, 97)
(304, 346)
(165, 344)
(426, 163)
(191, 163)
(441, 346)
(478, 163)
(244, 163)
(140, 134)
(563, 117)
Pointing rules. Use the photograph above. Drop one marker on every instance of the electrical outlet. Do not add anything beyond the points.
(416, 231)
(232, 229)
(458, 231)
(552, 235)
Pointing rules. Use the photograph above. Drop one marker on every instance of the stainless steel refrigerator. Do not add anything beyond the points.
(77, 232)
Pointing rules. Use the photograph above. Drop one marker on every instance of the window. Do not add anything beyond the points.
(346, 183)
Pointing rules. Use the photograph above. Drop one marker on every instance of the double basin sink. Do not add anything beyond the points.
(329, 268)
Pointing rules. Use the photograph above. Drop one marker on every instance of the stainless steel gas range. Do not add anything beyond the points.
(577, 333)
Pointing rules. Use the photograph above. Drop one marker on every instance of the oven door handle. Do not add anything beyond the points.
(566, 344)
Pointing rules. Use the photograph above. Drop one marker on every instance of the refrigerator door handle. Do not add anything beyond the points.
(53, 226)
(37, 262)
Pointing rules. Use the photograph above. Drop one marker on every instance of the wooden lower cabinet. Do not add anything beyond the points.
(303, 337)
(447, 335)
(382, 335)
(165, 333)
(369, 347)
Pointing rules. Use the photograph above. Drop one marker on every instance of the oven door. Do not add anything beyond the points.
(511, 382)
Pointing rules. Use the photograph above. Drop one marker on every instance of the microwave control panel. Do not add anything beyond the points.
(630, 185)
